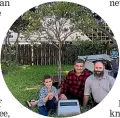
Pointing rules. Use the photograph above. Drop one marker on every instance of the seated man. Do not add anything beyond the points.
(73, 85)
(98, 84)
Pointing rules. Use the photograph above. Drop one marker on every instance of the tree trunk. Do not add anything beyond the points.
(5, 53)
(16, 46)
(10, 55)
(59, 65)
(6, 47)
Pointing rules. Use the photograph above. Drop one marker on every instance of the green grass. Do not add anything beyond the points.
(25, 82)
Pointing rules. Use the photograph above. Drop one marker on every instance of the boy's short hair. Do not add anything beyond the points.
(79, 61)
(47, 77)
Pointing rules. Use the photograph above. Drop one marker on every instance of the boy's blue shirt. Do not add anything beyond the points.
(44, 92)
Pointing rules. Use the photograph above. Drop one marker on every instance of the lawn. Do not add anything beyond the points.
(25, 82)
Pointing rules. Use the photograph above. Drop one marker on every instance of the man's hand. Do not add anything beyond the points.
(63, 97)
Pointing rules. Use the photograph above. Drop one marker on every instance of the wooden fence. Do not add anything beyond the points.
(45, 54)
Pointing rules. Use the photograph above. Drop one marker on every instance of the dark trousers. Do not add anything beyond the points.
(93, 101)
(50, 104)
(115, 75)
(71, 96)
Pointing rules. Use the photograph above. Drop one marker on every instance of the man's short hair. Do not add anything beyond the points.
(79, 61)
(47, 77)
(100, 62)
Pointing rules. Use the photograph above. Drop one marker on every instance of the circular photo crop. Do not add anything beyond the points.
(59, 59)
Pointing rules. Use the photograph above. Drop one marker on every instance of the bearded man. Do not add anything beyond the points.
(98, 84)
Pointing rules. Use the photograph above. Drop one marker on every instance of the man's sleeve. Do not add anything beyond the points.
(87, 90)
(65, 85)
(112, 81)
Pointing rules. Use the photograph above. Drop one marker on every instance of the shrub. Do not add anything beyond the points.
(82, 48)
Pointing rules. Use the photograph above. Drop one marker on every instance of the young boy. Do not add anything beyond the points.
(48, 97)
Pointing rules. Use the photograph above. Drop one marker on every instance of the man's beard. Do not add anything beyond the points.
(98, 73)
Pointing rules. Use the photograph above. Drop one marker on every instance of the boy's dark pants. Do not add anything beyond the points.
(50, 104)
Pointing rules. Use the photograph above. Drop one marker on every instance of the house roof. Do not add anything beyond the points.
(22, 39)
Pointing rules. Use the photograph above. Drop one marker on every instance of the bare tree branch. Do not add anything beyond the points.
(50, 41)
(67, 35)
